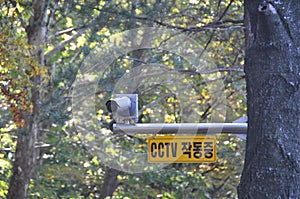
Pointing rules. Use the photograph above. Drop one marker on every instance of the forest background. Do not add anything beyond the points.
(43, 46)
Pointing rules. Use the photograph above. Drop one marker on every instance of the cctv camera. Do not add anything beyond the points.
(118, 104)
(124, 107)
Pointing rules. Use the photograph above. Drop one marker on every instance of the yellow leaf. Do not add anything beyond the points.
(175, 10)
(138, 11)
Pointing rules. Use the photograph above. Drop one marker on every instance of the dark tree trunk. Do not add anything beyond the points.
(272, 163)
(25, 156)
(110, 182)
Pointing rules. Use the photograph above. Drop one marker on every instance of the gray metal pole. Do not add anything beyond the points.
(183, 128)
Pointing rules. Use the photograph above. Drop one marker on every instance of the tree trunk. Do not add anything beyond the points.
(110, 182)
(25, 156)
(272, 163)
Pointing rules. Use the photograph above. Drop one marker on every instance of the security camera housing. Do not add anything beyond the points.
(124, 108)
(118, 104)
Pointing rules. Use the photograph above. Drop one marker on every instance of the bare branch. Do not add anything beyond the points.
(223, 70)
(215, 25)
(226, 10)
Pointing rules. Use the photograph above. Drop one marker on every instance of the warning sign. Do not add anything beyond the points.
(181, 149)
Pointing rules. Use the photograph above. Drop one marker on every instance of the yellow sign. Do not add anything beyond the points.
(181, 149)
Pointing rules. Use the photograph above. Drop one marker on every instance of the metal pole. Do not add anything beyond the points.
(183, 128)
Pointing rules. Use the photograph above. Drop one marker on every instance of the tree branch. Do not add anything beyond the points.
(80, 30)
(63, 44)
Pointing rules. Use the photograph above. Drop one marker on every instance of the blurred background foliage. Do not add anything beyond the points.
(66, 167)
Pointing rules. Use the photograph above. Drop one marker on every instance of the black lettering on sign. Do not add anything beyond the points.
(167, 144)
(153, 147)
(197, 149)
(186, 148)
(174, 149)
(208, 153)
(208, 149)
(161, 149)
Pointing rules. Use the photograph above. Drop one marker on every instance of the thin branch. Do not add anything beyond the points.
(43, 145)
(226, 10)
(207, 43)
(210, 170)
(223, 70)
(219, 5)
(83, 29)
(155, 102)
(62, 45)
(6, 149)
(52, 12)
(66, 31)
(222, 185)
(219, 24)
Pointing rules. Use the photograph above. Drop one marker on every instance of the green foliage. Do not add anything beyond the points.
(7, 149)
(68, 171)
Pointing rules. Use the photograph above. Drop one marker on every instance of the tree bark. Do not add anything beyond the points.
(110, 182)
(25, 156)
(272, 162)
